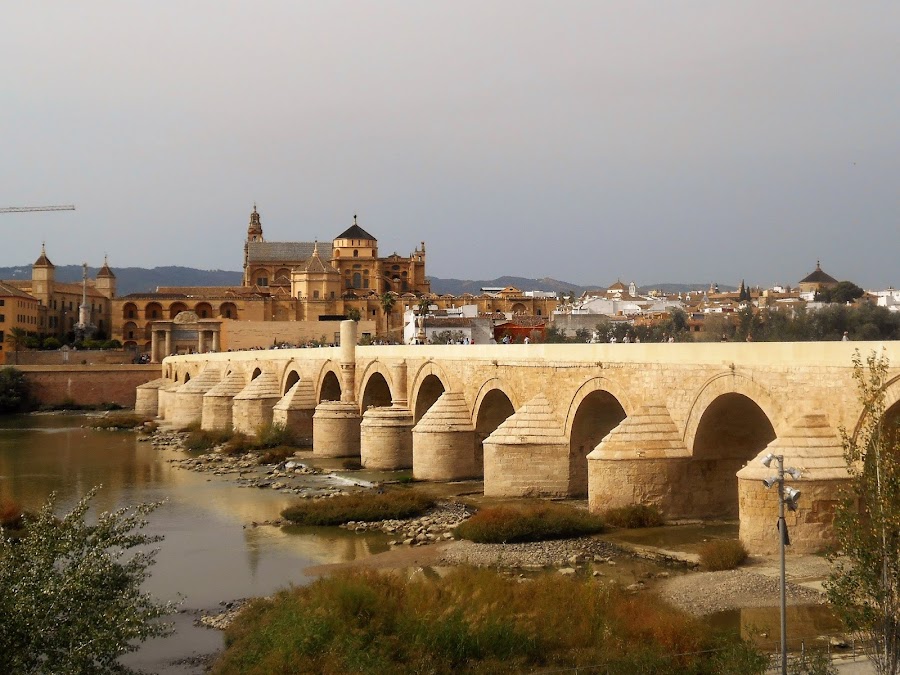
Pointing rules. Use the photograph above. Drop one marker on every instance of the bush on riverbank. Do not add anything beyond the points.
(276, 455)
(362, 506)
(531, 522)
(121, 421)
(275, 435)
(723, 554)
(14, 390)
(201, 440)
(473, 621)
(634, 516)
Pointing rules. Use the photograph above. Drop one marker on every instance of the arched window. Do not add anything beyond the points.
(357, 280)
(355, 253)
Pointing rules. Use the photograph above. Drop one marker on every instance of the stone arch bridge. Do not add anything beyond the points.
(681, 426)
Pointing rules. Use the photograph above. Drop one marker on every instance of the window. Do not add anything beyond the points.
(315, 295)
(2, 318)
(355, 254)
(357, 280)
(2, 302)
(332, 295)
(262, 281)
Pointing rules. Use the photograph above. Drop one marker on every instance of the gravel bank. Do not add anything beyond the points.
(706, 592)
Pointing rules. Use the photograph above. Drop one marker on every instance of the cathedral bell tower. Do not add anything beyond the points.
(254, 234)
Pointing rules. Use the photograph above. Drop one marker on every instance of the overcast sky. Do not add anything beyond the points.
(586, 141)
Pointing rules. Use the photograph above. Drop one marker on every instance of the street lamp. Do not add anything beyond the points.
(786, 496)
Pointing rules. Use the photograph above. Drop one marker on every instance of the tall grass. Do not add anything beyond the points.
(473, 621)
(201, 440)
(635, 515)
(274, 435)
(532, 522)
(363, 506)
(723, 554)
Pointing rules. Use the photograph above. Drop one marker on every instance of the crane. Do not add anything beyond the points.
(23, 209)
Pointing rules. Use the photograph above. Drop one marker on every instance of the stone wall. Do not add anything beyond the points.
(88, 385)
(237, 335)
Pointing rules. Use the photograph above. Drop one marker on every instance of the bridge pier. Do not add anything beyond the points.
(167, 396)
(336, 429)
(253, 405)
(146, 401)
(444, 441)
(811, 445)
(218, 402)
(386, 438)
(295, 411)
(642, 461)
(528, 454)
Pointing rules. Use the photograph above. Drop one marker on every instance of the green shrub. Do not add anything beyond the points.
(474, 621)
(362, 506)
(723, 554)
(14, 394)
(205, 439)
(533, 522)
(274, 435)
(635, 515)
(276, 455)
(51, 343)
(119, 421)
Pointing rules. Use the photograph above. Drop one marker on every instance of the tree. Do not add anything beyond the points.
(13, 390)
(17, 338)
(354, 314)
(71, 600)
(864, 585)
(388, 300)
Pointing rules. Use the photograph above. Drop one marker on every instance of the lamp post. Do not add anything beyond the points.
(789, 496)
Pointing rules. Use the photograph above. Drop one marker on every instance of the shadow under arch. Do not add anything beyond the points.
(729, 383)
(376, 393)
(376, 386)
(429, 382)
(257, 371)
(329, 387)
(891, 392)
(292, 378)
(597, 412)
(733, 429)
(493, 405)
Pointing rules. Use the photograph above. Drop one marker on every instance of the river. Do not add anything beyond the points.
(210, 553)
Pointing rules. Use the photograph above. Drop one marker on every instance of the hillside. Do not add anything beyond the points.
(143, 280)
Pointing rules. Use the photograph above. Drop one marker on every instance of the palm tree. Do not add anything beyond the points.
(387, 304)
(16, 338)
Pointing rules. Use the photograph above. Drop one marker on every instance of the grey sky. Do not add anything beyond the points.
(587, 141)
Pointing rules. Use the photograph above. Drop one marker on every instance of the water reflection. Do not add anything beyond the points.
(211, 551)
(762, 625)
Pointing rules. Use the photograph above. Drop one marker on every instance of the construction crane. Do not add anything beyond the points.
(24, 209)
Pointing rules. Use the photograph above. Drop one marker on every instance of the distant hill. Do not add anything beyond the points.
(138, 279)
(460, 286)
(144, 280)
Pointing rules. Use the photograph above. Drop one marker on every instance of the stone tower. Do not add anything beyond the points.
(43, 276)
(254, 234)
(106, 280)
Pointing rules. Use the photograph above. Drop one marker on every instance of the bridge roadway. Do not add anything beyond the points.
(681, 426)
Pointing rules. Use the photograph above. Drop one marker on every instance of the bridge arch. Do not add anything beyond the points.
(493, 405)
(257, 371)
(891, 391)
(429, 382)
(329, 384)
(729, 383)
(376, 393)
(595, 410)
(292, 377)
(376, 386)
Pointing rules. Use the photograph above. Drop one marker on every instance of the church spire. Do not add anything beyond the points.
(254, 229)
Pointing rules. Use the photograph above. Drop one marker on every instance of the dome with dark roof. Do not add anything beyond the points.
(355, 232)
(818, 277)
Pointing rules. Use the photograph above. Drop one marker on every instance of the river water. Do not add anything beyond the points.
(210, 554)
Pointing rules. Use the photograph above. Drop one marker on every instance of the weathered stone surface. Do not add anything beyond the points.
(386, 438)
(295, 410)
(253, 405)
(336, 429)
(444, 441)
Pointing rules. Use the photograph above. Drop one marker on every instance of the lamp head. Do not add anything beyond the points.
(794, 473)
(791, 496)
(767, 460)
(770, 481)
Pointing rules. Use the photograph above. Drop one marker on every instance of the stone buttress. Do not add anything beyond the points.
(295, 410)
(813, 446)
(253, 405)
(528, 454)
(218, 402)
(386, 432)
(146, 401)
(187, 407)
(167, 398)
(444, 441)
(641, 461)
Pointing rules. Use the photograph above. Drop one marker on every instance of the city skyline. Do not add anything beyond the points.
(584, 142)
